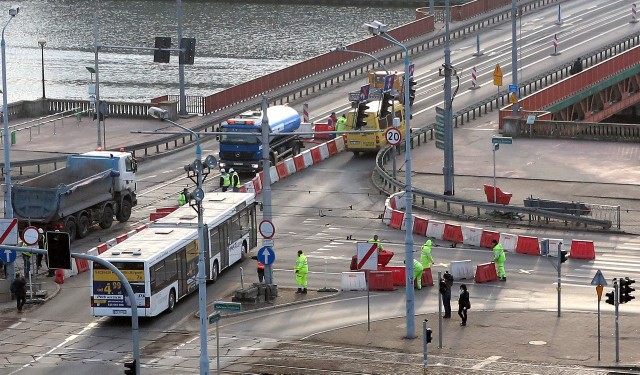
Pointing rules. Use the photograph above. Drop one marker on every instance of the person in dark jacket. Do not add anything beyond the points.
(464, 304)
(19, 288)
(445, 289)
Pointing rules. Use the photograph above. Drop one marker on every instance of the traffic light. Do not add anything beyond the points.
(386, 104)
(59, 250)
(626, 289)
(429, 335)
(361, 115)
(130, 368)
(412, 90)
(563, 256)
(610, 298)
(188, 50)
(162, 56)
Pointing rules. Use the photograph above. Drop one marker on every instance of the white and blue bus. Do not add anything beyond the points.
(161, 261)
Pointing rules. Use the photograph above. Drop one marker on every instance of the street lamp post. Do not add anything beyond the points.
(42, 42)
(8, 208)
(380, 29)
(198, 196)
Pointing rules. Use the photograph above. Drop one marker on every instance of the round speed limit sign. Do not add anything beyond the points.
(393, 136)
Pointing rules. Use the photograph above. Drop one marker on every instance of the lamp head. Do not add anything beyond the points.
(42, 42)
(339, 47)
(158, 113)
(13, 11)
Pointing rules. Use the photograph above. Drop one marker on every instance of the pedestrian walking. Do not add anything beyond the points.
(376, 241)
(19, 289)
(301, 270)
(445, 289)
(260, 269)
(235, 180)
(182, 198)
(499, 257)
(42, 244)
(417, 274)
(426, 258)
(464, 304)
(225, 180)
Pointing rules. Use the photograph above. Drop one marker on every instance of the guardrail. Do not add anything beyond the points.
(39, 122)
(469, 210)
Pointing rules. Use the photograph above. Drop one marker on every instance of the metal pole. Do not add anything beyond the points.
(96, 33)
(368, 304)
(598, 329)
(241, 278)
(447, 170)
(8, 208)
(432, 8)
(218, 346)
(559, 277)
(425, 361)
(514, 55)
(439, 311)
(42, 43)
(183, 98)
(266, 188)
(616, 295)
(202, 282)
(495, 197)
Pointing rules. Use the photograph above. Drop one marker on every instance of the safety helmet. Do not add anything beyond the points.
(231, 170)
(40, 231)
(222, 170)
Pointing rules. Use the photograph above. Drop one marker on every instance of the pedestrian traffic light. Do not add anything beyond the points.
(412, 90)
(610, 298)
(386, 104)
(563, 256)
(59, 250)
(162, 56)
(626, 289)
(187, 50)
(429, 335)
(361, 115)
(130, 368)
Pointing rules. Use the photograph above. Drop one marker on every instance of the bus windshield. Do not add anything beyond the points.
(229, 137)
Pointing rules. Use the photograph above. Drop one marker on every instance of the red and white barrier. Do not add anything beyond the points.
(308, 158)
(474, 79)
(324, 151)
(528, 245)
(471, 236)
(305, 112)
(487, 238)
(634, 14)
(452, 233)
(508, 241)
(397, 220)
(281, 168)
(290, 165)
(462, 269)
(435, 229)
(273, 173)
(420, 226)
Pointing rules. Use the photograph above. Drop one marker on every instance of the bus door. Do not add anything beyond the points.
(224, 245)
(207, 254)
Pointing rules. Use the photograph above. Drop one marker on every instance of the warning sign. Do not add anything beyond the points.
(497, 76)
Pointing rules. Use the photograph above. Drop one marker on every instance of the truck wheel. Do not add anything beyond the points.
(107, 217)
(82, 228)
(296, 150)
(125, 211)
(70, 227)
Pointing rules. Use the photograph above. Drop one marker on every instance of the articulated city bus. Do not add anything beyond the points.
(161, 261)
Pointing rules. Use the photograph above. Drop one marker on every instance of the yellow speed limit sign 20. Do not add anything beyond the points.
(393, 136)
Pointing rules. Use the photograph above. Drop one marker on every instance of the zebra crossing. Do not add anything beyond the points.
(614, 260)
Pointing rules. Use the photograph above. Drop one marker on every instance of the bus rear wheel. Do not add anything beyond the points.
(172, 301)
(215, 272)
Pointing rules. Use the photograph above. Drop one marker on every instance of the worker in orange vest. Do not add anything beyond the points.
(260, 270)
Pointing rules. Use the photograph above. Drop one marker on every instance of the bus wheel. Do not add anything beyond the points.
(215, 271)
(172, 301)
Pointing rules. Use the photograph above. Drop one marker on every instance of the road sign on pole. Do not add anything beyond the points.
(267, 229)
(7, 255)
(214, 318)
(227, 306)
(367, 256)
(393, 136)
(502, 140)
(266, 255)
(440, 128)
(9, 232)
(388, 82)
(364, 92)
(497, 76)
(30, 235)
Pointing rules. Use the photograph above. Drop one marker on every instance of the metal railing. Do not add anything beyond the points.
(41, 121)
(604, 217)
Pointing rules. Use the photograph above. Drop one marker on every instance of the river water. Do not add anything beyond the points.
(236, 41)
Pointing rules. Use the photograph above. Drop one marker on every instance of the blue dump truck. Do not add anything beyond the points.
(244, 152)
(92, 189)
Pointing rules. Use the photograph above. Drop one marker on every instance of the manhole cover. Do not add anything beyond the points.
(537, 343)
